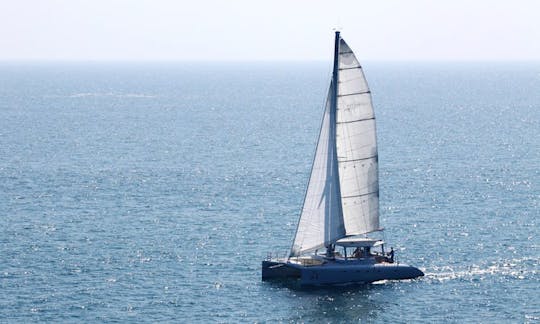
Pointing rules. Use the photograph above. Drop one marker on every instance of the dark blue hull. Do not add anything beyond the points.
(278, 270)
(332, 273)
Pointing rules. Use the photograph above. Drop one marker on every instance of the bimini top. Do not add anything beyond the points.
(358, 242)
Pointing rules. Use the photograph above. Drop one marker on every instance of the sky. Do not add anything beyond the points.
(263, 30)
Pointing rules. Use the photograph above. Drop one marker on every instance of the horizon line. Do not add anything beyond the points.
(236, 61)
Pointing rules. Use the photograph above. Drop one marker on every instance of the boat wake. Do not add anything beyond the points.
(515, 268)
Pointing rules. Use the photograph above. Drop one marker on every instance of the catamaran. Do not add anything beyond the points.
(341, 204)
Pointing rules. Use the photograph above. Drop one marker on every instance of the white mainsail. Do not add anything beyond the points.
(342, 197)
(356, 147)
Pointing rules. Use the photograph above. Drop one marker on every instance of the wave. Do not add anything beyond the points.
(516, 268)
(103, 94)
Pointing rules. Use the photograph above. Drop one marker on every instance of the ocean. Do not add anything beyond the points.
(151, 192)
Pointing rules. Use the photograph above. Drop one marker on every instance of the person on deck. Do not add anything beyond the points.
(330, 252)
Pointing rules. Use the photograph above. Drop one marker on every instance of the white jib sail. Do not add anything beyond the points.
(321, 222)
(356, 143)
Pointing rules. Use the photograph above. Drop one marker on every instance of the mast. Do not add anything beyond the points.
(335, 73)
(332, 144)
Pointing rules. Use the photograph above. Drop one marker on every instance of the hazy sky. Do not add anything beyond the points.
(268, 30)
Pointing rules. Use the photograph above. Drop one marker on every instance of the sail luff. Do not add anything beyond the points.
(338, 216)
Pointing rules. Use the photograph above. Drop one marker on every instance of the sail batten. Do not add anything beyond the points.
(354, 94)
(342, 197)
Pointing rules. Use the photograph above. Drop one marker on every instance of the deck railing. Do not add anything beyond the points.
(276, 255)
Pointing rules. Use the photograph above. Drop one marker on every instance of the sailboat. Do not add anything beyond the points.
(341, 204)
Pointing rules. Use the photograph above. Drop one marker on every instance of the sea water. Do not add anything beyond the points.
(151, 192)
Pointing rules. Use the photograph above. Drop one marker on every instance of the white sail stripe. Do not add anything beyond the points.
(349, 80)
